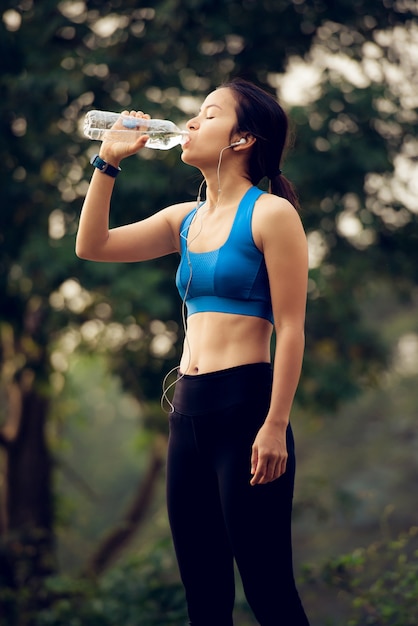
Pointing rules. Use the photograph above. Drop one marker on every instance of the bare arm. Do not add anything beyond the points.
(285, 249)
(150, 238)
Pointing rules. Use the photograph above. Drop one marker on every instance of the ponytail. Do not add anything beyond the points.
(281, 186)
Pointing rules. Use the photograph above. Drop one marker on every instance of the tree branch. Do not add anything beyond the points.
(117, 538)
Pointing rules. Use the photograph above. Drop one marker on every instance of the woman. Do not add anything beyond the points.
(243, 272)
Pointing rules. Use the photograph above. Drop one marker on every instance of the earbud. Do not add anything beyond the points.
(238, 143)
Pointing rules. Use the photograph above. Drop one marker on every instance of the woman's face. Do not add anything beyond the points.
(211, 130)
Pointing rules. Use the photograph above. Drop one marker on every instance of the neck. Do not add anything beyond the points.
(224, 189)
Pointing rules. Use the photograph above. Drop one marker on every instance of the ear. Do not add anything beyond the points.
(245, 142)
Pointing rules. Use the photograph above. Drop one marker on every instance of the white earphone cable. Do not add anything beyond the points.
(184, 235)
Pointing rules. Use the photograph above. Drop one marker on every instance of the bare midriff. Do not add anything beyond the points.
(217, 341)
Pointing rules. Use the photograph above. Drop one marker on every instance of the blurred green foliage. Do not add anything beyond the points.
(380, 582)
(138, 592)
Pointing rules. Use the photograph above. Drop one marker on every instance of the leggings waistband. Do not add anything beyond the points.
(213, 391)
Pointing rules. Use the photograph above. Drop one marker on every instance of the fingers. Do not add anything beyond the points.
(141, 141)
(130, 142)
(262, 468)
(134, 113)
(266, 468)
(254, 460)
(264, 473)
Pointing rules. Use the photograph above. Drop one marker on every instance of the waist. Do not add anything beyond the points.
(204, 393)
(218, 341)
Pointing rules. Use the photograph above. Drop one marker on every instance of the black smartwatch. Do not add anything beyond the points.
(104, 167)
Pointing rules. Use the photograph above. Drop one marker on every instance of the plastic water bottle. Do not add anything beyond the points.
(163, 134)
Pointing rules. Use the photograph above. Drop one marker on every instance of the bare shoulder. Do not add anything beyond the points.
(269, 206)
(175, 213)
(276, 219)
(179, 210)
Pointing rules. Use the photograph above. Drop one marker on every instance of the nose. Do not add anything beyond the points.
(192, 124)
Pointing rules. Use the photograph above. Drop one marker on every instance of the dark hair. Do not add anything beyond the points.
(260, 115)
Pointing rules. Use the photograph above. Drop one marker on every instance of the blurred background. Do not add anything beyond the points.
(84, 347)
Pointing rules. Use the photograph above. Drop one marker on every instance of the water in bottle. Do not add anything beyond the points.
(163, 134)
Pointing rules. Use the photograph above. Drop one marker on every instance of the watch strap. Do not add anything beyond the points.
(104, 166)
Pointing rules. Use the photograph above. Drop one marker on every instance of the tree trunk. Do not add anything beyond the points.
(26, 548)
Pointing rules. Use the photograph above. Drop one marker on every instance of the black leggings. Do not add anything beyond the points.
(215, 514)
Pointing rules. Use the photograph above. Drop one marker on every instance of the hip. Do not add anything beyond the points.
(220, 390)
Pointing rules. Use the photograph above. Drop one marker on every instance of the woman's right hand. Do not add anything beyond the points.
(114, 149)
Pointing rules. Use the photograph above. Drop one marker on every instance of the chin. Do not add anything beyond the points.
(186, 157)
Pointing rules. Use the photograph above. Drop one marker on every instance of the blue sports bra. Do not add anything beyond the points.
(231, 279)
